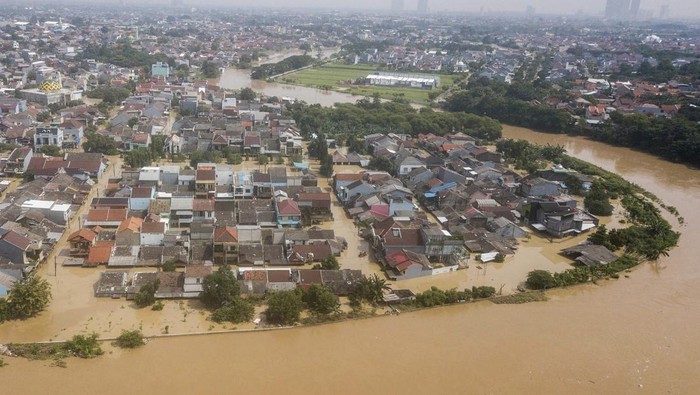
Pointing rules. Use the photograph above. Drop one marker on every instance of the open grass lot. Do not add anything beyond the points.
(337, 77)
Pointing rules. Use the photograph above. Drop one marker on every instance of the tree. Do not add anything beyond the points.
(284, 307)
(84, 346)
(326, 169)
(247, 94)
(330, 263)
(51, 150)
(370, 289)
(146, 295)
(210, 69)
(220, 288)
(382, 164)
(263, 159)
(237, 311)
(320, 299)
(483, 292)
(132, 122)
(98, 143)
(130, 339)
(27, 298)
(540, 279)
(318, 148)
(139, 157)
(234, 159)
(168, 266)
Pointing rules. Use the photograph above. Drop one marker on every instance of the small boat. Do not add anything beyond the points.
(479, 267)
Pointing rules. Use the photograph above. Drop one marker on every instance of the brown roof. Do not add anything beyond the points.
(348, 176)
(132, 223)
(320, 251)
(225, 234)
(196, 271)
(202, 205)
(141, 192)
(206, 175)
(314, 196)
(17, 240)
(100, 253)
(106, 215)
(86, 234)
(152, 227)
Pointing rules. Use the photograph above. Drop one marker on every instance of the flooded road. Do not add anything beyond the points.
(635, 335)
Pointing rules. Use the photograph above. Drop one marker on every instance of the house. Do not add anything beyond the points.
(354, 190)
(81, 241)
(590, 255)
(18, 162)
(304, 254)
(141, 197)
(112, 283)
(106, 218)
(538, 186)
(205, 182)
(409, 164)
(441, 245)
(99, 254)
(152, 233)
(506, 228)
(48, 136)
(403, 264)
(287, 211)
(129, 232)
(194, 278)
(59, 213)
(225, 245)
(18, 248)
(315, 206)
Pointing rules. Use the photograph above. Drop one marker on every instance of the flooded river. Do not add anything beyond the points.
(634, 335)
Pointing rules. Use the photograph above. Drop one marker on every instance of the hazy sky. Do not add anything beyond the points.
(679, 8)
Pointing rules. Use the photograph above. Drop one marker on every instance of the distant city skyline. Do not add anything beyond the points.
(656, 8)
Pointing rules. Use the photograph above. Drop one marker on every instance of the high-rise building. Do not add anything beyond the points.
(617, 9)
(634, 8)
(422, 6)
(396, 5)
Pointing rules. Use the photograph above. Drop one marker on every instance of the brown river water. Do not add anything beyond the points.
(634, 335)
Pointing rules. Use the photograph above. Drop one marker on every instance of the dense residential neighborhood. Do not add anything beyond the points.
(126, 155)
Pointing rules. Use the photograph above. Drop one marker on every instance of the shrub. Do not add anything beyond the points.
(540, 279)
(237, 311)
(84, 346)
(130, 339)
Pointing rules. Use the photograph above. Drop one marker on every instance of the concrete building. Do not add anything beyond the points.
(48, 136)
(160, 69)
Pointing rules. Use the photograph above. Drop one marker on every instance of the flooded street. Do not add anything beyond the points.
(634, 335)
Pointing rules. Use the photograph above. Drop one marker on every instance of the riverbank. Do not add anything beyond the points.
(621, 339)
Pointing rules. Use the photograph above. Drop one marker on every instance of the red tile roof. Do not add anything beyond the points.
(106, 215)
(288, 207)
(225, 234)
(86, 234)
(100, 253)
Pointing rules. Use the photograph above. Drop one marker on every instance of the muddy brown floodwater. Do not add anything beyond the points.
(634, 335)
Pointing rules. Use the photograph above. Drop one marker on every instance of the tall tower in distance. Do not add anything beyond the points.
(396, 6)
(423, 7)
(634, 9)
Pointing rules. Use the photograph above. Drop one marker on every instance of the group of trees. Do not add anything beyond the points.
(676, 139)
(543, 279)
(109, 95)
(285, 307)
(100, 143)
(368, 290)
(318, 148)
(27, 298)
(222, 293)
(509, 104)
(531, 157)
(210, 69)
(597, 200)
(349, 121)
(437, 297)
(649, 235)
(123, 54)
(288, 64)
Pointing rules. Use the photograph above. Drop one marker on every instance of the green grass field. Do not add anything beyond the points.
(337, 77)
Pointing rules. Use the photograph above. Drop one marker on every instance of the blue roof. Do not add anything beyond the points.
(443, 187)
(301, 165)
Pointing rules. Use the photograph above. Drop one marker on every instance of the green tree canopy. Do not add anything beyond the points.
(284, 307)
(27, 298)
(220, 288)
(320, 299)
(540, 279)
